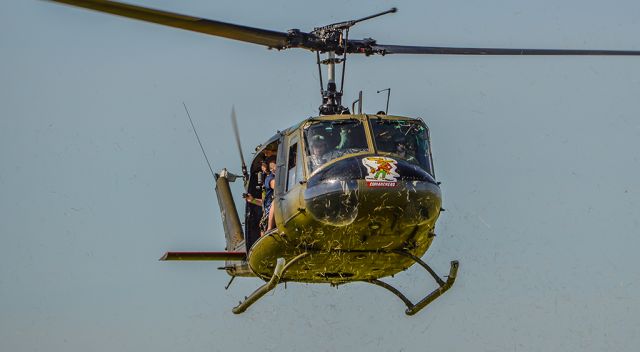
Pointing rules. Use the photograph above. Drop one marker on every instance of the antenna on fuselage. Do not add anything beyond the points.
(198, 138)
(386, 111)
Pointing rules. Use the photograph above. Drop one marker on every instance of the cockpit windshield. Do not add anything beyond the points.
(406, 139)
(328, 140)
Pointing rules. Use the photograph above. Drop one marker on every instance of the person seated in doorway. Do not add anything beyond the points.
(267, 222)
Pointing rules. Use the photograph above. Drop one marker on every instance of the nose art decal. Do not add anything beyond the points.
(382, 171)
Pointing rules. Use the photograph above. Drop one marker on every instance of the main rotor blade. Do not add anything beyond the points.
(434, 50)
(310, 41)
(264, 37)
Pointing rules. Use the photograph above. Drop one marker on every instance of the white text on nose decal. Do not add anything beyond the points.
(382, 171)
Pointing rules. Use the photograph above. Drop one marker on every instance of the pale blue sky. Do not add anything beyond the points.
(100, 174)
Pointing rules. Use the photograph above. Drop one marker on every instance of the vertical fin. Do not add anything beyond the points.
(230, 220)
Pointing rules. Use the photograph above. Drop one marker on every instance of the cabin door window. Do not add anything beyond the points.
(292, 166)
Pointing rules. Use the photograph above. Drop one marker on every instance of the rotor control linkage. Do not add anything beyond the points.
(348, 24)
(278, 272)
(444, 285)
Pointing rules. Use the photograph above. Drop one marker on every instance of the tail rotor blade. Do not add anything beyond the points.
(236, 131)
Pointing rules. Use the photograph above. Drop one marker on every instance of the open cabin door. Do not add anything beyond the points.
(255, 186)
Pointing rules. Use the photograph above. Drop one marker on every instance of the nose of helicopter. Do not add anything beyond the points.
(372, 194)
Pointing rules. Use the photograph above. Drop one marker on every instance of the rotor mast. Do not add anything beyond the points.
(331, 97)
(337, 33)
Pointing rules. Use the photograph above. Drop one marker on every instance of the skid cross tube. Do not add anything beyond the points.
(278, 272)
(444, 285)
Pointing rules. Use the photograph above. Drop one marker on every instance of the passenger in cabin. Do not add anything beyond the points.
(262, 175)
(269, 153)
(267, 222)
(269, 186)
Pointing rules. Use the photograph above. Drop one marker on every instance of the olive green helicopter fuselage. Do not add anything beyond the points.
(354, 199)
(348, 221)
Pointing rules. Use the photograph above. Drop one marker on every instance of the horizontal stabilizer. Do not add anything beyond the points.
(204, 256)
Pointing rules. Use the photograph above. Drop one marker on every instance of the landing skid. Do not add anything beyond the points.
(278, 272)
(444, 285)
(281, 268)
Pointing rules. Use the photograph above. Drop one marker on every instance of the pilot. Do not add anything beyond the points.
(318, 150)
(321, 153)
(401, 151)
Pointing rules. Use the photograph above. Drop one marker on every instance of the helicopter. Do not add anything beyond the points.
(355, 195)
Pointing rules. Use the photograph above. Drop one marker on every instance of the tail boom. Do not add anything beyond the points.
(204, 256)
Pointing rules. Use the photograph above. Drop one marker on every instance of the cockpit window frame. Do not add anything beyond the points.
(362, 119)
(373, 119)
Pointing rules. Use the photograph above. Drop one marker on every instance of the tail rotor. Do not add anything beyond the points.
(236, 131)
